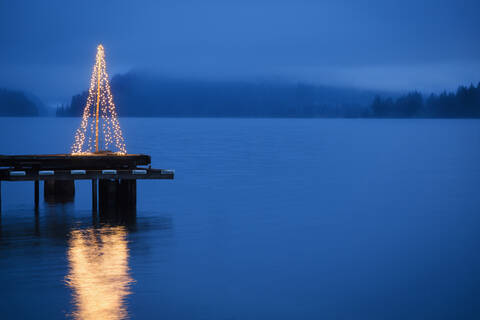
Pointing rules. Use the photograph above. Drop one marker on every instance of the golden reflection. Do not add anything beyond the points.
(99, 273)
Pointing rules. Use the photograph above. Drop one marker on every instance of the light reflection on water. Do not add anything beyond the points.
(99, 275)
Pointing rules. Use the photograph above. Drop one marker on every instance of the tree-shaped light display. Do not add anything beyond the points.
(99, 113)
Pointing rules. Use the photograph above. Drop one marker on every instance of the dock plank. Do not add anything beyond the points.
(71, 161)
(32, 175)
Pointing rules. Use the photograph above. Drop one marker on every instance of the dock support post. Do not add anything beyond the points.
(127, 193)
(94, 195)
(0, 196)
(59, 190)
(117, 199)
(107, 191)
(37, 200)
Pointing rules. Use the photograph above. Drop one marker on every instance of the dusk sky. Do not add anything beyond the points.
(48, 47)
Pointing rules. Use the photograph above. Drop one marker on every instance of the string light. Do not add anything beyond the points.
(99, 113)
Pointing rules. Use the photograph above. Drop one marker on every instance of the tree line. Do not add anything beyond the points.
(152, 96)
(464, 103)
(16, 104)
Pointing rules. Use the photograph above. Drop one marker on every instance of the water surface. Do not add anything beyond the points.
(266, 219)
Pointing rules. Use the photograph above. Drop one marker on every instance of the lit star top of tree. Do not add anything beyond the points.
(99, 113)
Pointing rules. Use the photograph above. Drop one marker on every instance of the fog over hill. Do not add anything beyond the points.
(143, 94)
(15, 103)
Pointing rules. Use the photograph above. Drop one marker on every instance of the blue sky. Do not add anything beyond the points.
(48, 47)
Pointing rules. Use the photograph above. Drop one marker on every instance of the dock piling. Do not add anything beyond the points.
(94, 195)
(37, 200)
(59, 190)
(127, 193)
(117, 193)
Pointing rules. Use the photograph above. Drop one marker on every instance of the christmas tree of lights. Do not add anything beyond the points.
(99, 112)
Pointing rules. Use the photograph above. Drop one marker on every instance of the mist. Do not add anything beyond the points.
(49, 49)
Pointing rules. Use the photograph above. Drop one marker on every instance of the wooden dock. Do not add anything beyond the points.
(113, 176)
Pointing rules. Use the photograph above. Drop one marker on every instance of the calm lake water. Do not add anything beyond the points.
(266, 219)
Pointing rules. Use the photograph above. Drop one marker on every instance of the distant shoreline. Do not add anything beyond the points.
(138, 96)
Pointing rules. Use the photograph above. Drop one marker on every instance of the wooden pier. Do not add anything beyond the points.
(113, 176)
